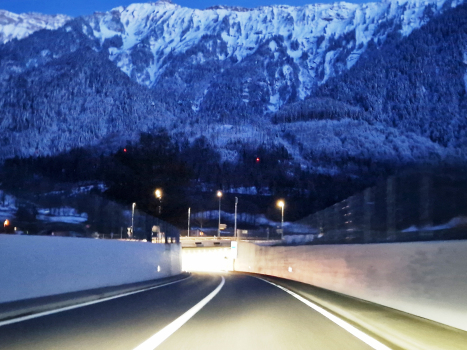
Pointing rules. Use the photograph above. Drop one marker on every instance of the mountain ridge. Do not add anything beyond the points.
(231, 101)
(19, 26)
(152, 31)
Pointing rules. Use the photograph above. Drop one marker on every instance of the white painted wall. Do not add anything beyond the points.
(35, 266)
(427, 279)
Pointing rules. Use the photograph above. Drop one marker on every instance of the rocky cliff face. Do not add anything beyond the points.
(284, 52)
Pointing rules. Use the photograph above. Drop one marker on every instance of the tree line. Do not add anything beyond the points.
(189, 173)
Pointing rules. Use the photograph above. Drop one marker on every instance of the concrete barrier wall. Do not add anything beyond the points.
(35, 266)
(427, 279)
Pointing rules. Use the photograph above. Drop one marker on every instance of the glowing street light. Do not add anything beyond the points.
(281, 204)
(219, 194)
(158, 194)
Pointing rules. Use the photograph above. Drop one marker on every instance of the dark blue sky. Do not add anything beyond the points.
(86, 7)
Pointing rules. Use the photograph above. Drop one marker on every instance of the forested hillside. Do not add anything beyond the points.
(189, 173)
(404, 102)
(236, 117)
(72, 97)
(368, 73)
(416, 84)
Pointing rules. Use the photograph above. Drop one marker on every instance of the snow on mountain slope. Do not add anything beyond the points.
(195, 53)
(14, 26)
(321, 40)
(214, 73)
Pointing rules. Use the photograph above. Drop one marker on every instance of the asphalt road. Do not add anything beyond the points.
(247, 313)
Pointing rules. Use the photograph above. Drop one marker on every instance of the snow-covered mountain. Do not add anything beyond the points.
(291, 50)
(14, 26)
(275, 75)
(294, 48)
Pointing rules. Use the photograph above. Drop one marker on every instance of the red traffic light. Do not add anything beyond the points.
(257, 159)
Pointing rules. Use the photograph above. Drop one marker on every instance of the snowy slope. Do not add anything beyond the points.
(317, 41)
(13, 26)
(292, 49)
(217, 73)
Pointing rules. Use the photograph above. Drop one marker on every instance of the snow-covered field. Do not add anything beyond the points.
(7, 206)
(62, 214)
(457, 222)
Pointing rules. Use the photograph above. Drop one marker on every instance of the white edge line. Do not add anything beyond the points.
(167, 331)
(66, 308)
(375, 344)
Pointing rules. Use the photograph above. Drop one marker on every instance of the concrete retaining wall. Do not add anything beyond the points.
(35, 266)
(427, 279)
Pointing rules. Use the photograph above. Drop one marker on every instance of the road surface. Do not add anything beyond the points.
(240, 312)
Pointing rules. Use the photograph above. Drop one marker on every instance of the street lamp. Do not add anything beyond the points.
(158, 194)
(189, 214)
(133, 218)
(5, 224)
(219, 194)
(235, 220)
(281, 204)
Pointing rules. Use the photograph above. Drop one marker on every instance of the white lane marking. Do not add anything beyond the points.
(158, 338)
(66, 308)
(349, 328)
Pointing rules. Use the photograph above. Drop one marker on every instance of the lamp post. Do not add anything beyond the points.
(235, 218)
(133, 219)
(189, 210)
(219, 194)
(158, 194)
(281, 205)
